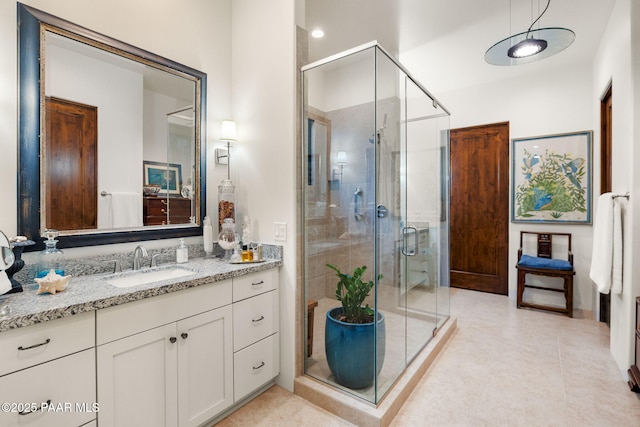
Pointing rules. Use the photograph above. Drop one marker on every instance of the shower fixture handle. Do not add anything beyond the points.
(405, 238)
(382, 211)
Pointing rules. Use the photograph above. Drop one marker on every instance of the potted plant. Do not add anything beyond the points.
(354, 342)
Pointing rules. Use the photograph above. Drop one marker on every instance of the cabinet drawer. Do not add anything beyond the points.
(254, 284)
(127, 319)
(255, 318)
(68, 383)
(255, 366)
(31, 345)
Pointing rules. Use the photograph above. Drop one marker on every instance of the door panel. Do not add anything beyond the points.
(71, 171)
(480, 208)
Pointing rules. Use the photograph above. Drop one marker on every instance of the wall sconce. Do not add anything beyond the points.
(228, 135)
(342, 162)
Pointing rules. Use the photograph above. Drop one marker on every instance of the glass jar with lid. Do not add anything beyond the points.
(226, 202)
(227, 237)
(51, 258)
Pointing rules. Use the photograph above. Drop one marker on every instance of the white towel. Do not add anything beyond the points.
(606, 257)
(616, 275)
(602, 254)
(5, 283)
(126, 210)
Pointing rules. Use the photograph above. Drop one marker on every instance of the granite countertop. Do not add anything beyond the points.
(92, 292)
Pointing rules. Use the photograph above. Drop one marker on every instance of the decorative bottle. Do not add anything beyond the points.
(207, 235)
(226, 202)
(51, 258)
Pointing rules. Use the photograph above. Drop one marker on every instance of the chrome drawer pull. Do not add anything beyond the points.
(27, 412)
(259, 366)
(259, 319)
(35, 345)
(261, 282)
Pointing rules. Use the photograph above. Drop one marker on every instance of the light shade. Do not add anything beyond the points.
(543, 43)
(228, 131)
(342, 158)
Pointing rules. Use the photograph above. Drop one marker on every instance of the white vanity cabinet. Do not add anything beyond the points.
(256, 360)
(47, 373)
(168, 360)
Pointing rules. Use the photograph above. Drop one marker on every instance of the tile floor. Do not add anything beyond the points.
(502, 367)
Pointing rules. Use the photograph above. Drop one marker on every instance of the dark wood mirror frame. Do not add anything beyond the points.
(29, 99)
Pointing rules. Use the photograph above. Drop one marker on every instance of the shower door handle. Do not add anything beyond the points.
(358, 204)
(405, 238)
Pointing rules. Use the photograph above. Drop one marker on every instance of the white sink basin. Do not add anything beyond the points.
(143, 277)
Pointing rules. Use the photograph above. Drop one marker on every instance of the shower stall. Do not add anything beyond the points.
(375, 193)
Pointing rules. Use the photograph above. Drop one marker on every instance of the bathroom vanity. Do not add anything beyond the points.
(173, 352)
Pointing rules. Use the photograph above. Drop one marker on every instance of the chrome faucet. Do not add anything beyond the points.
(140, 251)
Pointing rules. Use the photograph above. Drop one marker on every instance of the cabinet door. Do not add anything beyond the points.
(137, 379)
(205, 366)
(62, 391)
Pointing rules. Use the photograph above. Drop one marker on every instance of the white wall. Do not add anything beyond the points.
(613, 65)
(556, 102)
(263, 161)
(195, 33)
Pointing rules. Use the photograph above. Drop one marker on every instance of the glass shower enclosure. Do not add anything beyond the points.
(375, 194)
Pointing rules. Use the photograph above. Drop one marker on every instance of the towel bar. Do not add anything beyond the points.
(615, 196)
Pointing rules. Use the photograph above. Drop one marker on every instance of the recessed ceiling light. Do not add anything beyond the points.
(317, 33)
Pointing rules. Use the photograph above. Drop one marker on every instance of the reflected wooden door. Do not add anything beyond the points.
(480, 208)
(71, 165)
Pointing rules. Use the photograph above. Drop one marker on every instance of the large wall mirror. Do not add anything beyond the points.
(111, 137)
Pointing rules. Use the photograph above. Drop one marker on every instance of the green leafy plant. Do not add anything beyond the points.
(351, 291)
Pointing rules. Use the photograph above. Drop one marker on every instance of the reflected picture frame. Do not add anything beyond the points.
(166, 175)
(551, 178)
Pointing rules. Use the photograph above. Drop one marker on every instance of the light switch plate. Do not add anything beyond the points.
(280, 231)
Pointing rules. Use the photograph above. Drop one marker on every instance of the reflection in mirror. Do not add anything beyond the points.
(121, 130)
(318, 196)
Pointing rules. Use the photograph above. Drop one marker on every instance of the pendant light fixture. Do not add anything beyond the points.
(531, 45)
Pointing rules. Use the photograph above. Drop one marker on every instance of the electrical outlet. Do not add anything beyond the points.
(280, 231)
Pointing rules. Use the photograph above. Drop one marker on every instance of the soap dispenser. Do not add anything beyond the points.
(182, 253)
(51, 258)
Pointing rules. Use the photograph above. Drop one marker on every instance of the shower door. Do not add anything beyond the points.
(374, 193)
(411, 170)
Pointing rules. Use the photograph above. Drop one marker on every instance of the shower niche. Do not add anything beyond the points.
(375, 193)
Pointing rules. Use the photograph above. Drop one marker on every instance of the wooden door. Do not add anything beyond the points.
(480, 208)
(606, 147)
(71, 157)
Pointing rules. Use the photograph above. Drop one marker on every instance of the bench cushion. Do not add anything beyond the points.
(551, 264)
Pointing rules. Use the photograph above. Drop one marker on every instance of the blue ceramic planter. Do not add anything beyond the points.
(351, 350)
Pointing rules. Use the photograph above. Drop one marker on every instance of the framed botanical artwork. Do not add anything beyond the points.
(167, 175)
(551, 178)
